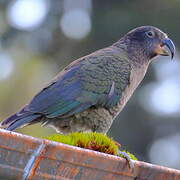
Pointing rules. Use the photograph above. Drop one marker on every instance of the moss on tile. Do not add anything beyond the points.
(94, 141)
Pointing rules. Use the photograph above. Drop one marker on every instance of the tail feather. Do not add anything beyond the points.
(19, 119)
(9, 119)
(14, 117)
(19, 115)
(22, 121)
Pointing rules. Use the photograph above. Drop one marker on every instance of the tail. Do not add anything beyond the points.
(19, 119)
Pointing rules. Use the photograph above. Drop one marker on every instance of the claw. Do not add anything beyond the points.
(127, 157)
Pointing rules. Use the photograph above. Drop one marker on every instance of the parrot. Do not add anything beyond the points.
(88, 94)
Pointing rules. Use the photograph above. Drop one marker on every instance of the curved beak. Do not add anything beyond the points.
(171, 47)
(165, 48)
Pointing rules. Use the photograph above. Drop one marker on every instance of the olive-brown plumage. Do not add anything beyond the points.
(89, 93)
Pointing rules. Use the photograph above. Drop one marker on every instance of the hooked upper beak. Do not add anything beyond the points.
(161, 50)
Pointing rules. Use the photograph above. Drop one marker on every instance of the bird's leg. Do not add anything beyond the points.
(127, 157)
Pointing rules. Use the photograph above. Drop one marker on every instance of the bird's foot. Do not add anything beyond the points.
(127, 157)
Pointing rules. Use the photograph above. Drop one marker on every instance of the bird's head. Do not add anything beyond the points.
(147, 42)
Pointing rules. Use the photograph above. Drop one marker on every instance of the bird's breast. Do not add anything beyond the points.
(136, 76)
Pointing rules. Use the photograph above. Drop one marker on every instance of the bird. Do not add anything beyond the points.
(88, 94)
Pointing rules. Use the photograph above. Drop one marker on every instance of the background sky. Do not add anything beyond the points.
(39, 38)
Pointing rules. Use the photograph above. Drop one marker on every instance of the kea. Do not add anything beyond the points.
(89, 93)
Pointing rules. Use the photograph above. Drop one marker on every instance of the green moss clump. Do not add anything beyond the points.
(94, 141)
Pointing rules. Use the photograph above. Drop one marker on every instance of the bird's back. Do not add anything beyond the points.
(104, 76)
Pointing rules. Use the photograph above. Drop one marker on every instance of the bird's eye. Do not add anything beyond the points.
(150, 34)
